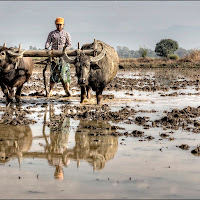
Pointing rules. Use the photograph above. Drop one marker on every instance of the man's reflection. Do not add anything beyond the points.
(57, 145)
(94, 143)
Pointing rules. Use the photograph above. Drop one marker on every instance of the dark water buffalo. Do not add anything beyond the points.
(14, 72)
(95, 72)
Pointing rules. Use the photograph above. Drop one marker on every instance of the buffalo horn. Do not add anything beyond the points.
(11, 53)
(20, 47)
(100, 56)
(67, 59)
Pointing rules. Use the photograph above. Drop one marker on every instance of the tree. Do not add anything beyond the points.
(143, 52)
(120, 51)
(32, 48)
(151, 53)
(125, 51)
(166, 47)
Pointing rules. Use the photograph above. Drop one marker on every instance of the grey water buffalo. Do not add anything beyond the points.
(95, 72)
(14, 72)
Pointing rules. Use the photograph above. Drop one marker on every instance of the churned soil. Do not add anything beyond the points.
(196, 151)
(175, 119)
(184, 119)
(16, 116)
(129, 85)
(184, 147)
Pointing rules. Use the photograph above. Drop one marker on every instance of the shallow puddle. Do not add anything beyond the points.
(62, 149)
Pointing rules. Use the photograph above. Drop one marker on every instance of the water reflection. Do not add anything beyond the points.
(57, 145)
(94, 143)
(14, 141)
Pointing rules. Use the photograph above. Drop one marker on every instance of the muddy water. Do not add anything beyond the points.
(59, 148)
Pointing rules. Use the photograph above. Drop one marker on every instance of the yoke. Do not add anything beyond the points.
(56, 53)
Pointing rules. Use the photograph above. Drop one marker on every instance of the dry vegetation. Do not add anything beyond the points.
(190, 60)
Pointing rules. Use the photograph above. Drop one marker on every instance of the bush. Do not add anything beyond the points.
(194, 55)
(173, 57)
(143, 52)
(166, 47)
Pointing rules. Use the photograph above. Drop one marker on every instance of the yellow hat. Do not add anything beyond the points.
(59, 20)
(58, 175)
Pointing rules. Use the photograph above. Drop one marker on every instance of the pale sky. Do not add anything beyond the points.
(118, 23)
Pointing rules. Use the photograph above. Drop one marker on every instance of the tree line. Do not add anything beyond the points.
(164, 48)
(125, 52)
(34, 48)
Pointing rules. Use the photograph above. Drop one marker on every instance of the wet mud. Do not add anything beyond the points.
(146, 117)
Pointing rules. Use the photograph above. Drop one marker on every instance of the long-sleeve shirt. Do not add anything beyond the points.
(58, 39)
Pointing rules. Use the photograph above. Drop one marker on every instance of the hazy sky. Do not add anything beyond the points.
(118, 23)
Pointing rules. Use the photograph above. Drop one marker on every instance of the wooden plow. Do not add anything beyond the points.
(49, 54)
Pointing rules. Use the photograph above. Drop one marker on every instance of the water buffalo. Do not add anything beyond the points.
(14, 72)
(95, 72)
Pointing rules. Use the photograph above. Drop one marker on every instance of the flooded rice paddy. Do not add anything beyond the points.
(142, 142)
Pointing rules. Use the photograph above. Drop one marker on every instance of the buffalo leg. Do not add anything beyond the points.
(88, 92)
(99, 95)
(5, 91)
(18, 93)
(44, 77)
(19, 84)
(11, 92)
(83, 93)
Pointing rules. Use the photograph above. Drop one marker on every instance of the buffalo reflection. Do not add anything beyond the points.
(93, 143)
(14, 141)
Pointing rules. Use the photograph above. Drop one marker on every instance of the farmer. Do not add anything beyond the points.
(58, 39)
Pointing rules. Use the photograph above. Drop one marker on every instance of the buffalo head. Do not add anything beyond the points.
(9, 55)
(3, 55)
(84, 64)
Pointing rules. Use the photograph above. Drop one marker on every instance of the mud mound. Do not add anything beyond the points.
(16, 116)
(151, 84)
(184, 147)
(97, 113)
(181, 119)
(196, 151)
